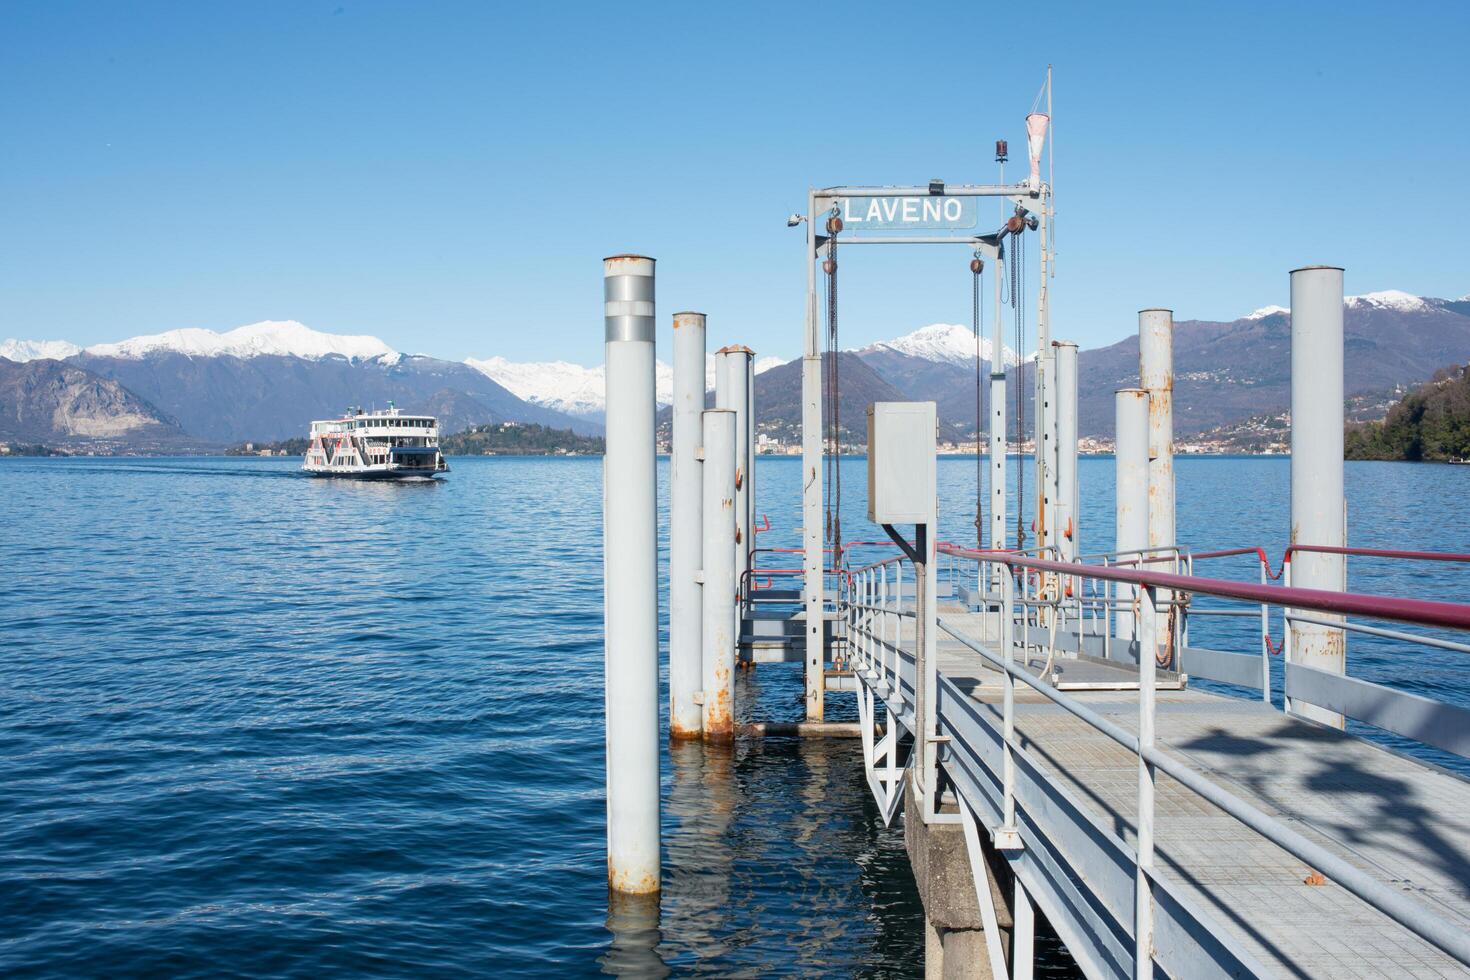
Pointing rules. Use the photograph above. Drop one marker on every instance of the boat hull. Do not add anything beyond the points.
(373, 473)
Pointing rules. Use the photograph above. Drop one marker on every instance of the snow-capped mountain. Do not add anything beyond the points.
(561, 385)
(1264, 312)
(37, 350)
(286, 338)
(582, 391)
(283, 338)
(1387, 299)
(1391, 299)
(943, 343)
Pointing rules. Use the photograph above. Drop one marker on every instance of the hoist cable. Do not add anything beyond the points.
(832, 398)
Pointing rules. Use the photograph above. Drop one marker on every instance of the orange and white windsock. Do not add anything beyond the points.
(1036, 124)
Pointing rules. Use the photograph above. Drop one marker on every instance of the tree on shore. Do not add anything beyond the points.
(1431, 423)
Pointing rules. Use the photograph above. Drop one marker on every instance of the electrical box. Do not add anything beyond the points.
(902, 488)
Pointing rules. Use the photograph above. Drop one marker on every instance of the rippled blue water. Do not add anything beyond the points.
(260, 724)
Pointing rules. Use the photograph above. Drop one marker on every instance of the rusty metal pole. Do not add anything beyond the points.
(750, 453)
(1318, 511)
(1065, 511)
(1156, 376)
(736, 379)
(630, 577)
(686, 533)
(813, 589)
(1130, 462)
(718, 656)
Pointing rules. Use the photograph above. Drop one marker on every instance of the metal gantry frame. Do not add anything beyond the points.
(1035, 199)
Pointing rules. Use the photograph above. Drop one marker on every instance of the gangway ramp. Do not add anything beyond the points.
(1404, 823)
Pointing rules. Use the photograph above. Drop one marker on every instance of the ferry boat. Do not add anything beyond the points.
(376, 445)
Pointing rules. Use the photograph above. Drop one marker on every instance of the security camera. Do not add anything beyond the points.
(794, 220)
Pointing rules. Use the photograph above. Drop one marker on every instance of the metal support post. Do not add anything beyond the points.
(811, 486)
(1131, 501)
(1156, 376)
(1046, 398)
(750, 451)
(736, 368)
(718, 656)
(1023, 933)
(926, 666)
(997, 431)
(1007, 836)
(1143, 918)
(686, 534)
(630, 577)
(1045, 438)
(1318, 511)
(1064, 521)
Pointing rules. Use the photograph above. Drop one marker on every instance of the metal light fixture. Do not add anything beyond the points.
(795, 220)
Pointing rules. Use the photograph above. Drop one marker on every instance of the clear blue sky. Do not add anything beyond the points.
(448, 175)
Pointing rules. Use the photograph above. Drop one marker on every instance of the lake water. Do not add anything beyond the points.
(260, 724)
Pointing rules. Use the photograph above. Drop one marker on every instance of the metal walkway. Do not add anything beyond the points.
(1152, 823)
(1406, 824)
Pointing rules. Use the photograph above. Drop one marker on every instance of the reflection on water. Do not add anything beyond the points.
(774, 858)
(632, 922)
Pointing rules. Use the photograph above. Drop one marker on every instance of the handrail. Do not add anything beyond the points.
(872, 624)
(1322, 549)
(1422, 612)
(1413, 916)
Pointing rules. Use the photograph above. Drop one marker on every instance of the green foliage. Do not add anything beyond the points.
(1431, 423)
(518, 439)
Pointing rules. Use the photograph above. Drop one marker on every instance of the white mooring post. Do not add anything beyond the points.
(1318, 512)
(750, 450)
(686, 534)
(1156, 376)
(737, 375)
(630, 578)
(1130, 505)
(718, 657)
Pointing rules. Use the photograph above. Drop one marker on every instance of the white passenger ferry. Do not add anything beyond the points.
(377, 445)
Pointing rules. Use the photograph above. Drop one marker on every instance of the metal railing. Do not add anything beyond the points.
(1152, 583)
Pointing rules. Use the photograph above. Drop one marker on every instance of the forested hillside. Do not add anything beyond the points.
(1431, 423)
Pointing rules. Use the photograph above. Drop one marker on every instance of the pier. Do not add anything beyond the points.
(1037, 715)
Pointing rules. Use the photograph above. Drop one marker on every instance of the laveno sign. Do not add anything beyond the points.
(909, 213)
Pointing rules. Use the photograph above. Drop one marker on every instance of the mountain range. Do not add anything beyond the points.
(265, 381)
